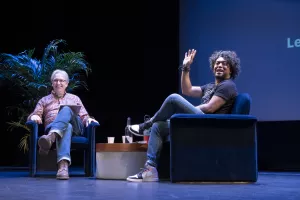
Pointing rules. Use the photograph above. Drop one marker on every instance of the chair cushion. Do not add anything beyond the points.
(79, 140)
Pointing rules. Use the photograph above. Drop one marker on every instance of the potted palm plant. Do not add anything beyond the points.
(30, 77)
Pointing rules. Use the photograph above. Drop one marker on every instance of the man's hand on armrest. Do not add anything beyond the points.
(89, 120)
(36, 119)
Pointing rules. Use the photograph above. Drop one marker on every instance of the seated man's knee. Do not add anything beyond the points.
(66, 109)
(174, 96)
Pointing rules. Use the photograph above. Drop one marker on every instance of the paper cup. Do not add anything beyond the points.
(110, 139)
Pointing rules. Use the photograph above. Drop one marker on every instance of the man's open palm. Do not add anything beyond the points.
(189, 57)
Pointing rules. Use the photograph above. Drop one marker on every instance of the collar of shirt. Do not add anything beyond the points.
(56, 96)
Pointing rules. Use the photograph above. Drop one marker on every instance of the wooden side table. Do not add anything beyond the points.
(119, 160)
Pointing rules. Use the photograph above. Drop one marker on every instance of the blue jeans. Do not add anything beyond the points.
(65, 124)
(173, 104)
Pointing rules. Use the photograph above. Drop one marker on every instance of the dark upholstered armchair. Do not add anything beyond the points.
(214, 147)
(85, 142)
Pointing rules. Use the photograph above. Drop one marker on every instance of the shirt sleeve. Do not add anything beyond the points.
(83, 114)
(39, 110)
(203, 88)
(226, 90)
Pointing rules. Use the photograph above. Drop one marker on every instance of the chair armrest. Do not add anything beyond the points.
(34, 129)
(90, 130)
(33, 126)
(31, 123)
(212, 120)
(93, 124)
(214, 116)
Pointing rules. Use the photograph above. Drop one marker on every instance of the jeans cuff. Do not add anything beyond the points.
(56, 131)
(151, 163)
(64, 158)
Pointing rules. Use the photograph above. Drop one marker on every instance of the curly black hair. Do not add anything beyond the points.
(232, 60)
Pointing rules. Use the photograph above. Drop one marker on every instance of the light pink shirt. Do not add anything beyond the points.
(48, 107)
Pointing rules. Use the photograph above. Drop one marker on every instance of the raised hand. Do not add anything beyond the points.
(189, 57)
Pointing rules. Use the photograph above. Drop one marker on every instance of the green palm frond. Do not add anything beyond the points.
(73, 62)
(24, 143)
(21, 69)
(51, 48)
(21, 63)
(14, 125)
(17, 109)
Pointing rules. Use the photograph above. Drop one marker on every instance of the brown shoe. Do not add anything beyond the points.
(45, 142)
(63, 170)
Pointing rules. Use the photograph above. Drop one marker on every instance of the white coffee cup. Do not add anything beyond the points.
(110, 139)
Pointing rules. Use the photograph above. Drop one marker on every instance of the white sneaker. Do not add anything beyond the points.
(135, 130)
(138, 129)
(148, 174)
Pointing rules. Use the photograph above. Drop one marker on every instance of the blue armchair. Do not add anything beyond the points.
(214, 147)
(85, 142)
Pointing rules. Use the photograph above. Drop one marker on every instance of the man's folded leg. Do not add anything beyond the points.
(45, 142)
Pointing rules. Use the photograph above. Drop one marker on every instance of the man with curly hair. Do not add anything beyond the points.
(217, 97)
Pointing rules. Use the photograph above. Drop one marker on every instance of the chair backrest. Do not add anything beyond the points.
(242, 104)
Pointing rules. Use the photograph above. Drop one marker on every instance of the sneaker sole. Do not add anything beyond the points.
(44, 146)
(143, 180)
(62, 178)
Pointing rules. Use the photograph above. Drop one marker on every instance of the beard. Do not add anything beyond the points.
(220, 76)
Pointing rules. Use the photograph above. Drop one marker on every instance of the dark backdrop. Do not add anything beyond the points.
(132, 48)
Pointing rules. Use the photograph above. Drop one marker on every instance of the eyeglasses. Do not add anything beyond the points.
(59, 80)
